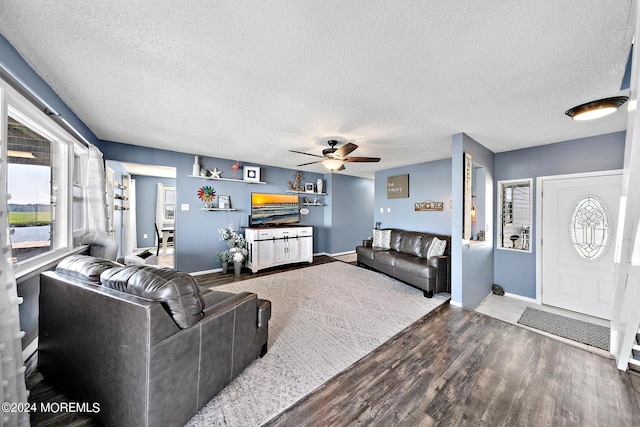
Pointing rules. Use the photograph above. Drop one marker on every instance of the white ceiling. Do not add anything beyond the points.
(249, 80)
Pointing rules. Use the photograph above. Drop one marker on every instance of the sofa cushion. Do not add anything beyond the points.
(177, 292)
(411, 243)
(436, 248)
(426, 241)
(396, 236)
(416, 267)
(381, 239)
(85, 267)
(367, 252)
(386, 258)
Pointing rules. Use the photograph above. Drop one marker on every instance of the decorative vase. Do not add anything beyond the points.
(320, 185)
(196, 167)
(208, 205)
(225, 267)
(237, 268)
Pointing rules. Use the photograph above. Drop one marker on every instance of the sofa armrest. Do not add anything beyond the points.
(441, 263)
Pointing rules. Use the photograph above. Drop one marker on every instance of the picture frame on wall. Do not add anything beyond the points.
(251, 173)
(224, 202)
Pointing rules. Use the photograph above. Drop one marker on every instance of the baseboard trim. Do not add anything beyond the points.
(520, 297)
(455, 303)
(200, 273)
(343, 253)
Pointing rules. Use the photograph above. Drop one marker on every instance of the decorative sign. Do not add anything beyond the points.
(429, 206)
(398, 186)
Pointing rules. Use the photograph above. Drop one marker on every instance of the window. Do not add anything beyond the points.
(44, 180)
(514, 210)
(589, 228)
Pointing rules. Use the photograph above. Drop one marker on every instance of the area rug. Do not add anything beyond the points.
(573, 329)
(324, 318)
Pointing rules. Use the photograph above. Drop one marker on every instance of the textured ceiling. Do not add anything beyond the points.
(249, 80)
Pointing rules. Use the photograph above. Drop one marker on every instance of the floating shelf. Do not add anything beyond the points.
(217, 209)
(306, 192)
(227, 179)
(312, 204)
(120, 197)
(120, 186)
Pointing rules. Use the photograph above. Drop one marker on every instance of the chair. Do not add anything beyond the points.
(101, 245)
(159, 235)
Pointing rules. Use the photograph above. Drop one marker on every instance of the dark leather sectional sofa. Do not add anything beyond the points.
(143, 342)
(406, 260)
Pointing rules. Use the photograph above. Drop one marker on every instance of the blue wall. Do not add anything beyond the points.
(19, 69)
(427, 181)
(351, 210)
(197, 238)
(516, 271)
(146, 195)
(472, 265)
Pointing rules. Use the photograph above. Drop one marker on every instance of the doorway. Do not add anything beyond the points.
(577, 221)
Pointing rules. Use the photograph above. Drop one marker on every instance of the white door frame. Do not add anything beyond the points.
(539, 182)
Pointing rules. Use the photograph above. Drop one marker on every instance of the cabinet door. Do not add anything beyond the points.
(280, 250)
(265, 252)
(305, 249)
(292, 250)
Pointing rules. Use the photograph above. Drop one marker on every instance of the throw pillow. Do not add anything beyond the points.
(382, 239)
(436, 248)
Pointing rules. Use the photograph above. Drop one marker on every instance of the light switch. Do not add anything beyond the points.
(144, 236)
(388, 210)
(381, 210)
(184, 207)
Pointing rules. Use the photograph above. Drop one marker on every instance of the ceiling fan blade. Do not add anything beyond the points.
(308, 154)
(362, 159)
(345, 149)
(310, 163)
(341, 168)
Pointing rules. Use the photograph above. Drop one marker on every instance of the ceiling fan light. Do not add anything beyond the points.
(332, 164)
(596, 109)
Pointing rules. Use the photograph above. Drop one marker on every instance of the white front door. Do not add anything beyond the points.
(579, 218)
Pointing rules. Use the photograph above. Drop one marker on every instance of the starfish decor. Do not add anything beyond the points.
(215, 173)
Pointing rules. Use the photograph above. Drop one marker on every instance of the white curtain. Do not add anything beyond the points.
(129, 238)
(12, 367)
(96, 192)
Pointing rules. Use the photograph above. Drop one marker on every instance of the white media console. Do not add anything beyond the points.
(273, 246)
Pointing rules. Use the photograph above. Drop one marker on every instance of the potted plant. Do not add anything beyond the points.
(224, 258)
(237, 247)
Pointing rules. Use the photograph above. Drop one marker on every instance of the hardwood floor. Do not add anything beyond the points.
(461, 368)
(453, 367)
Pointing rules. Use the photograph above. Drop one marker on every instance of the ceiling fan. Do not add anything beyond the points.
(333, 158)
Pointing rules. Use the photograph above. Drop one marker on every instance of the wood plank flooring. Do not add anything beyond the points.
(453, 367)
(460, 368)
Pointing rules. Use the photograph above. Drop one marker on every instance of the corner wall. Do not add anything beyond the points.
(472, 265)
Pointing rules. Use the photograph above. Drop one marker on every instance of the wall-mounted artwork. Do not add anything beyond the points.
(468, 176)
(252, 173)
(398, 187)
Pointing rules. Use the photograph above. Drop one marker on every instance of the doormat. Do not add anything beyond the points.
(575, 330)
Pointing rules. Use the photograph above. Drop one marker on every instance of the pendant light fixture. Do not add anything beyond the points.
(596, 109)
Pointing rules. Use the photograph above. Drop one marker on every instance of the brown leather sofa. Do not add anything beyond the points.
(406, 260)
(143, 342)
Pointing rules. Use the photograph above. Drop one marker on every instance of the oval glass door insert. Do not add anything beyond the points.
(589, 228)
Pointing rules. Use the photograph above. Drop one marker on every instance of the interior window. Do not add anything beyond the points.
(514, 208)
